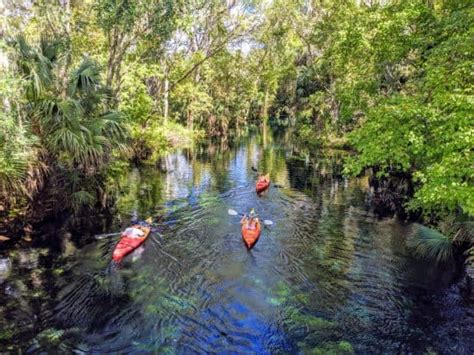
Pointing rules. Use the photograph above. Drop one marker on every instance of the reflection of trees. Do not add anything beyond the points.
(213, 159)
(309, 173)
(336, 253)
(219, 168)
(140, 191)
(325, 234)
(270, 159)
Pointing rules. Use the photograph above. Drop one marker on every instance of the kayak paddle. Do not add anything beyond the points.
(149, 220)
(232, 212)
(103, 236)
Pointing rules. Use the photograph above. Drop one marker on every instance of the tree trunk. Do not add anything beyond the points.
(67, 34)
(264, 113)
(165, 97)
(190, 120)
(335, 106)
(112, 39)
(117, 49)
(4, 66)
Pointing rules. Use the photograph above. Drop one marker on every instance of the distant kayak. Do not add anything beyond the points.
(130, 240)
(250, 236)
(263, 183)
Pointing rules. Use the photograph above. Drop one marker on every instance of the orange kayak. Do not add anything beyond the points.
(263, 183)
(126, 244)
(250, 236)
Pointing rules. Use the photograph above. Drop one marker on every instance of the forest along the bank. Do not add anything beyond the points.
(90, 88)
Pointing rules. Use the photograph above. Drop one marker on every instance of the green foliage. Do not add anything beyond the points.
(17, 145)
(431, 244)
(439, 244)
(136, 103)
(73, 123)
(51, 336)
(128, 15)
(381, 146)
(156, 139)
(399, 76)
(341, 348)
(63, 124)
(396, 74)
(15, 153)
(426, 131)
(150, 135)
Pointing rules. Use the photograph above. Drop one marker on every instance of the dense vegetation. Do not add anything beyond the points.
(87, 84)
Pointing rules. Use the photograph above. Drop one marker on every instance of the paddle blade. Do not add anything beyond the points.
(232, 212)
(267, 222)
(103, 236)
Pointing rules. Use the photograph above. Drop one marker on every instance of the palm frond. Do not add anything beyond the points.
(469, 256)
(81, 198)
(73, 127)
(85, 79)
(50, 48)
(431, 244)
(113, 126)
(464, 231)
(34, 66)
(24, 49)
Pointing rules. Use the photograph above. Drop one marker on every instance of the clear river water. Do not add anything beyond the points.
(328, 276)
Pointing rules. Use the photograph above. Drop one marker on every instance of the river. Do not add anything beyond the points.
(328, 276)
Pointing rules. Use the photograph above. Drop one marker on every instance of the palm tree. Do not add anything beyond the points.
(68, 111)
(74, 123)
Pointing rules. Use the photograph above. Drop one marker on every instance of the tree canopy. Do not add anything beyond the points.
(85, 83)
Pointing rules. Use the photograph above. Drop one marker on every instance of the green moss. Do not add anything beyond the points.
(6, 334)
(282, 290)
(302, 298)
(430, 351)
(329, 348)
(58, 272)
(314, 323)
(281, 293)
(38, 294)
(274, 301)
(346, 346)
(51, 336)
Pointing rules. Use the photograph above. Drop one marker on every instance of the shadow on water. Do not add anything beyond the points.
(328, 277)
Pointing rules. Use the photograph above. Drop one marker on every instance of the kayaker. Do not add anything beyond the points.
(263, 178)
(251, 221)
(133, 232)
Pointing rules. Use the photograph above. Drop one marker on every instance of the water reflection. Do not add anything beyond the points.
(328, 276)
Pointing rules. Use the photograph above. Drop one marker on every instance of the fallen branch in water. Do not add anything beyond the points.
(164, 252)
(170, 256)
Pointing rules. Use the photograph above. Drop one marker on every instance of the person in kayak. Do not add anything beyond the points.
(137, 229)
(251, 221)
(263, 179)
(133, 232)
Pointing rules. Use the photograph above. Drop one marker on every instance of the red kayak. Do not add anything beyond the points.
(250, 236)
(128, 244)
(263, 183)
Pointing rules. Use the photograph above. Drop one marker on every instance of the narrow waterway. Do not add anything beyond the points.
(327, 276)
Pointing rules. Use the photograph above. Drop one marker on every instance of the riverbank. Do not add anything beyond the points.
(52, 200)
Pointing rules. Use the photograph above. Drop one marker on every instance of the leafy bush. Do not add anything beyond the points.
(425, 129)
